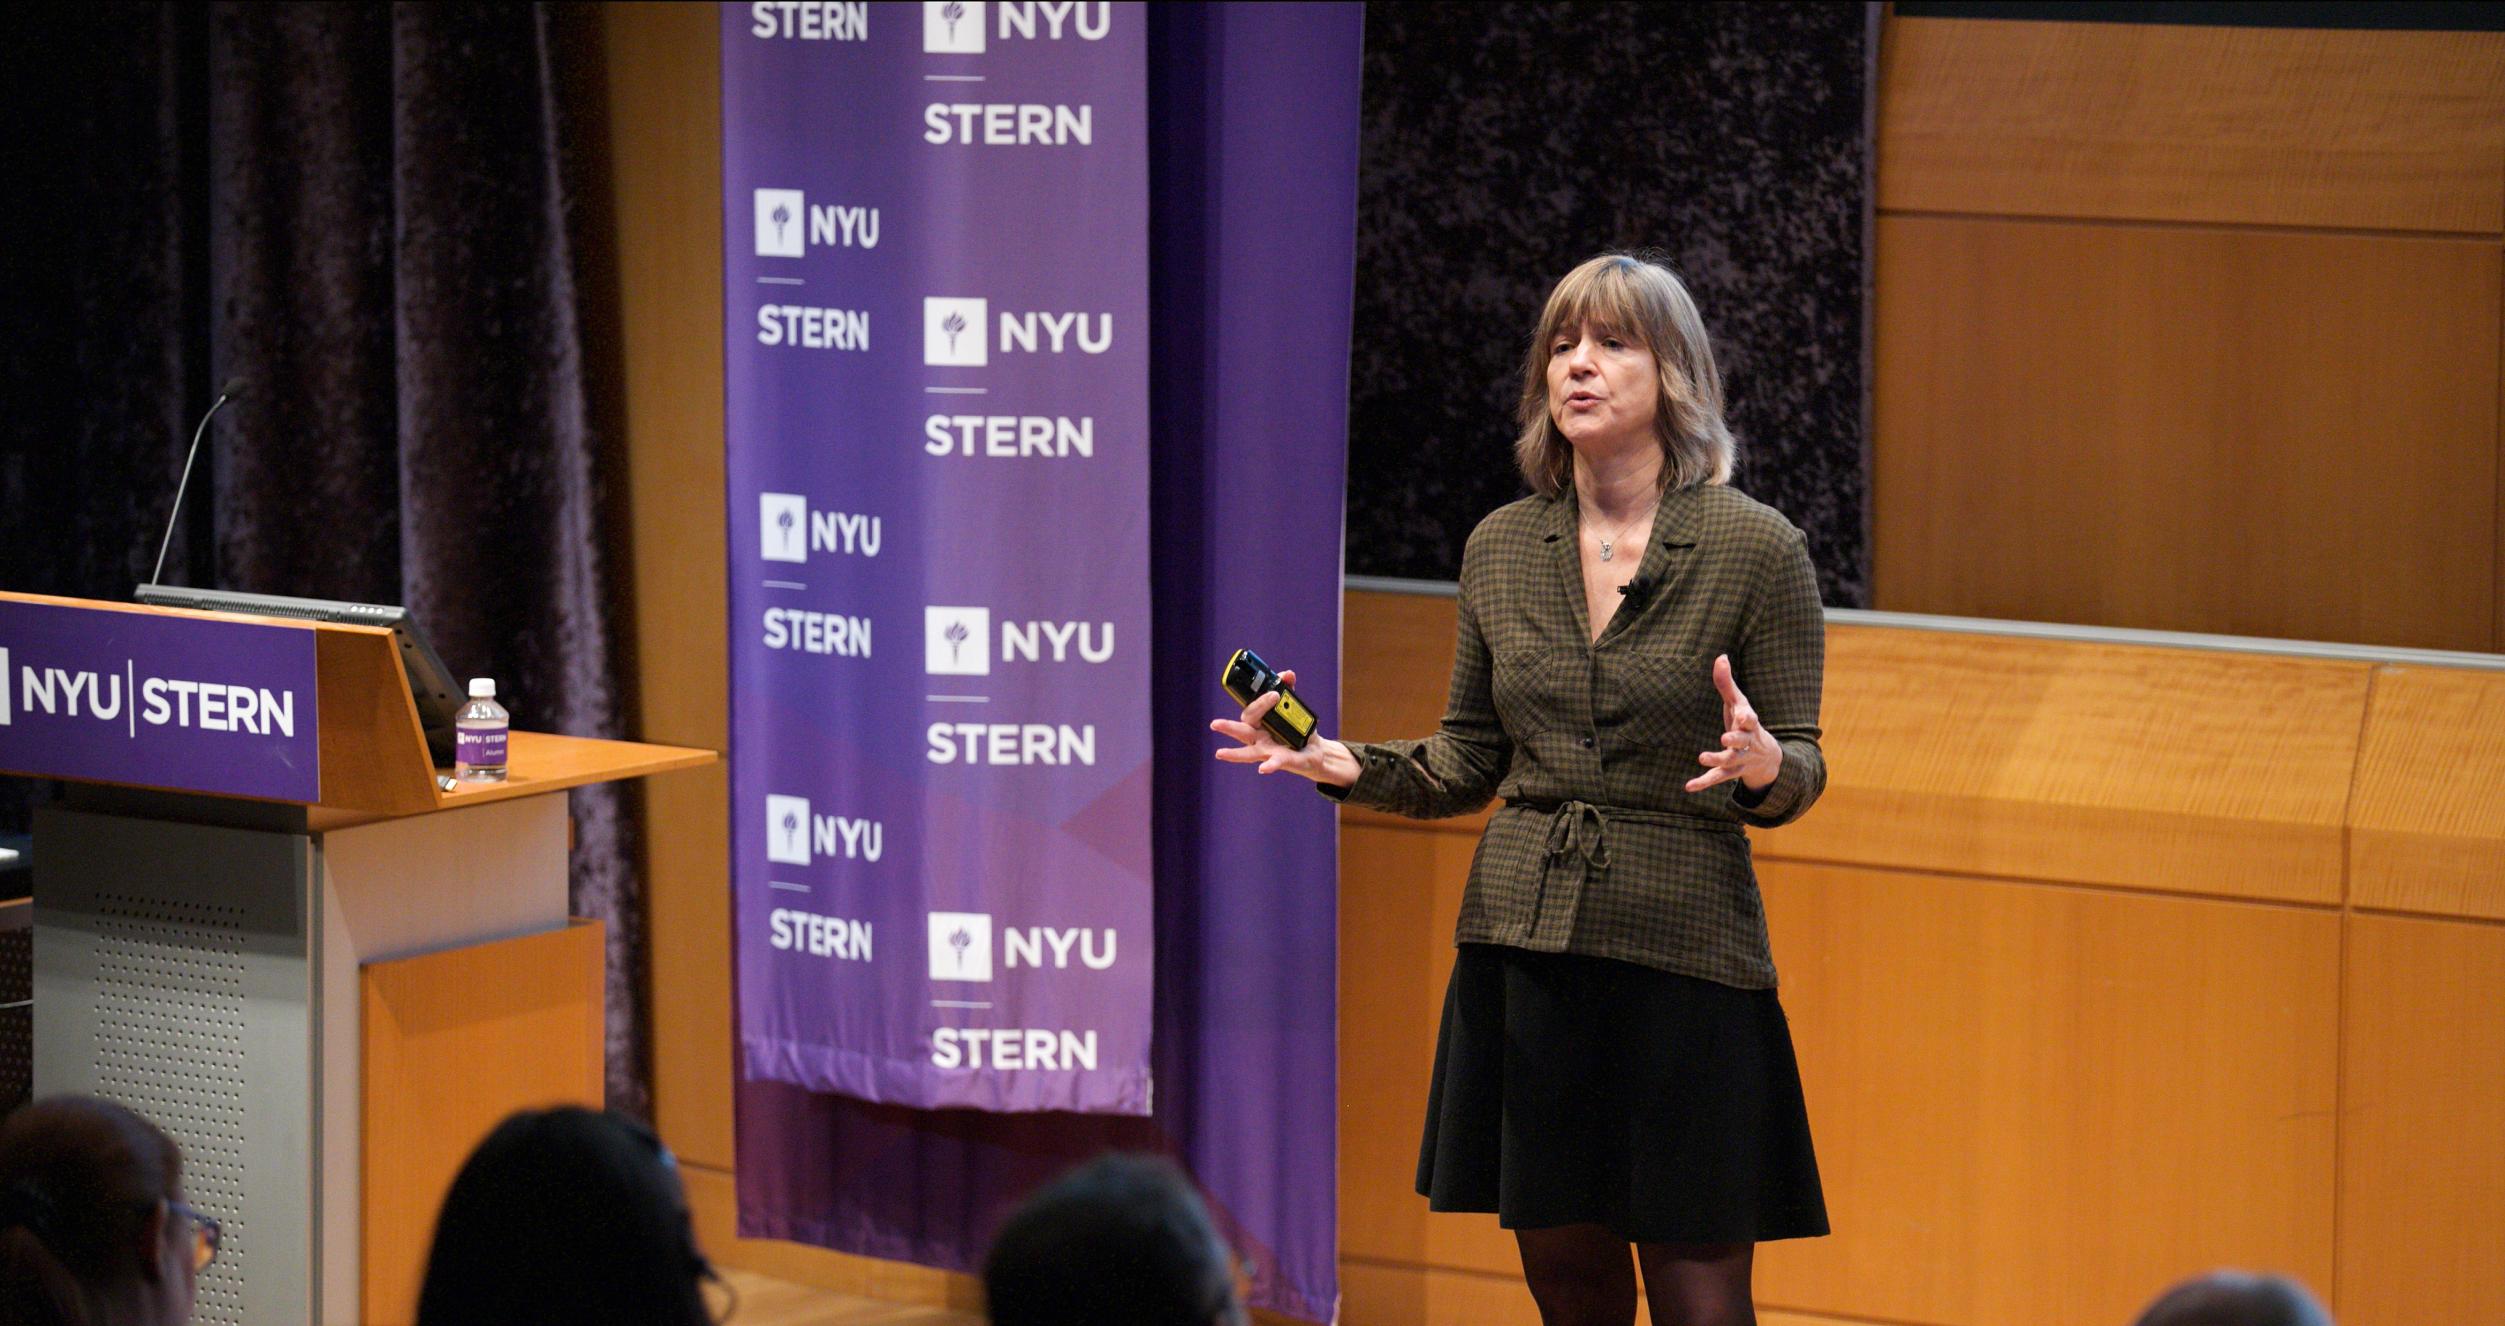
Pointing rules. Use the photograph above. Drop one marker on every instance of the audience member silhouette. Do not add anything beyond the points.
(565, 1217)
(2235, 1298)
(93, 1227)
(1119, 1241)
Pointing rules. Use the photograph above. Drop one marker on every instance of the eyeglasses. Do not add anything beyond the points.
(206, 1233)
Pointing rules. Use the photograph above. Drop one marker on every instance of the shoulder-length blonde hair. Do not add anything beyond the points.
(1641, 299)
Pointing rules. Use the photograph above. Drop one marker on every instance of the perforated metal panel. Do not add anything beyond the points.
(169, 1042)
(173, 973)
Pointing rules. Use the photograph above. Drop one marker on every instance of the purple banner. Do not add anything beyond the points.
(1253, 169)
(936, 294)
(158, 699)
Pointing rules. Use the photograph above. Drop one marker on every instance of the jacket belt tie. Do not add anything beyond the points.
(1579, 829)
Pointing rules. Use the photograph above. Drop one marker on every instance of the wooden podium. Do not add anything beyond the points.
(327, 1001)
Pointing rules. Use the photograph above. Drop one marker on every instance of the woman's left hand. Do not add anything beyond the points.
(1749, 752)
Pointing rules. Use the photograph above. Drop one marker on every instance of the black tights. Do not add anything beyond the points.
(1581, 1275)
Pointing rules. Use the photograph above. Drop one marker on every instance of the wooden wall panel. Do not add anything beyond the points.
(1400, 892)
(1397, 653)
(2173, 769)
(2422, 1124)
(2276, 126)
(664, 155)
(2002, 755)
(453, 1042)
(2270, 434)
(2429, 816)
(2037, 1104)
(1397, 656)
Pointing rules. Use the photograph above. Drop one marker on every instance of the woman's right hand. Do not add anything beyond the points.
(1322, 760)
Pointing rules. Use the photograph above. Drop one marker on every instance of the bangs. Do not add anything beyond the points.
(1604, 294)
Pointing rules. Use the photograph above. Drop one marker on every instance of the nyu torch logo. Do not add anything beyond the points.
(955, 332)
(783, 521)
(787, 830)
(957, 642)
(961, 946)
(952, 27)
(782, 223)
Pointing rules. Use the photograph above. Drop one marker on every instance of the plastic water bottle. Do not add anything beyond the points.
(478, 735)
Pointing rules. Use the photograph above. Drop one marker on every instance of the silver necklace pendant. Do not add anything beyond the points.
(1604, 550)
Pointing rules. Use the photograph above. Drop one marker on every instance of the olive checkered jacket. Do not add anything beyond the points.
(1600, 849)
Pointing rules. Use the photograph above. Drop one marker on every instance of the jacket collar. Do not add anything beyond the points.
(1675, 525)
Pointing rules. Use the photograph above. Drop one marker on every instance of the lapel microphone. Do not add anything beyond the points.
(1638, 589)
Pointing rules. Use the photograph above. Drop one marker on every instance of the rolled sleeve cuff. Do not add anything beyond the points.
(1774, 805)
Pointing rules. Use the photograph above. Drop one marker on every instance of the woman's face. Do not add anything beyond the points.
(1603, 388)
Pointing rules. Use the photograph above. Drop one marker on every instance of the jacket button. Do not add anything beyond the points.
(1587, 743)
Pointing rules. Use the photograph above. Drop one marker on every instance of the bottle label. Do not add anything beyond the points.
(479, 749)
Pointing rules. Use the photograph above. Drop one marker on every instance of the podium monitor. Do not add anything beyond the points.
(439, 697)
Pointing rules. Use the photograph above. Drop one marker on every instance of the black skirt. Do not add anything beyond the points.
(1572, 1090)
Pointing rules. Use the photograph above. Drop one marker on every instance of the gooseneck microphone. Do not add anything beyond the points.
(234, 387)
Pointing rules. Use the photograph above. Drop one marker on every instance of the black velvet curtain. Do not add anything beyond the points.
(364, 211)
(1505, 143)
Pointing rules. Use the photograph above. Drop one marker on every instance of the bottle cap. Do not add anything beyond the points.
(482, 688)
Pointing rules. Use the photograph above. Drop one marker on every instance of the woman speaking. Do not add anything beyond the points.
(1614, 1067)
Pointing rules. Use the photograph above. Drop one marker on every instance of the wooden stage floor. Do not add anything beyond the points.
(765, 1301)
